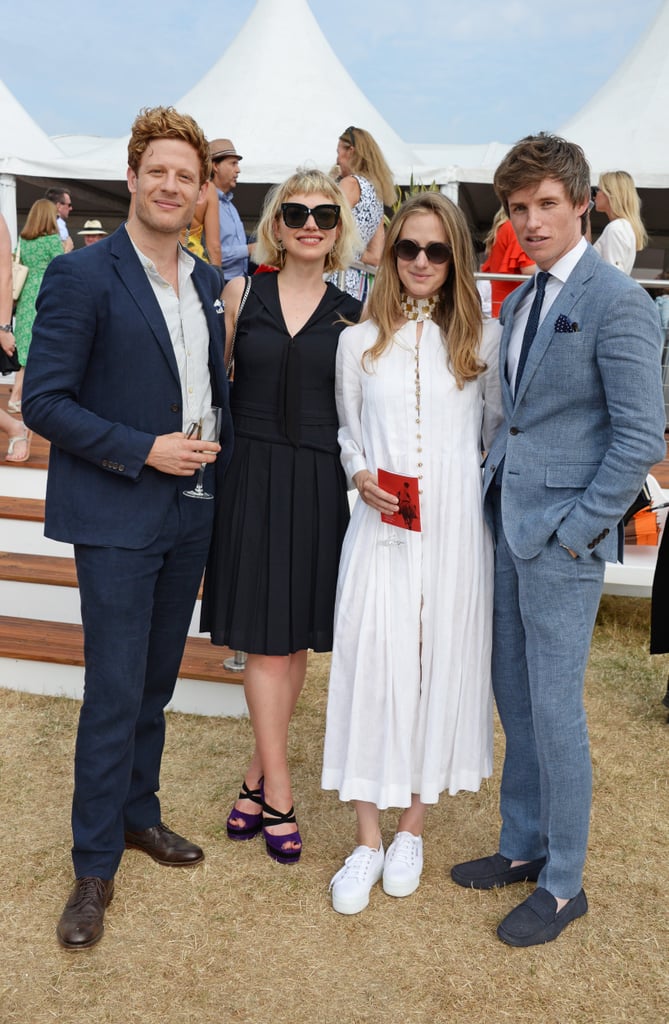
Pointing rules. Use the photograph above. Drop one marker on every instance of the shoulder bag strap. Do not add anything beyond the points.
(231, 361)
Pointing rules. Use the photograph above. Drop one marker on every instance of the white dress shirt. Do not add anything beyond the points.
(189, 334)
(557, 277)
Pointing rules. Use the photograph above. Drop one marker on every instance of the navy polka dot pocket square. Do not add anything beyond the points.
(563, 325)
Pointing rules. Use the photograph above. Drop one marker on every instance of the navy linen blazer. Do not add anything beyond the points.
(587, 421)
(101, 382)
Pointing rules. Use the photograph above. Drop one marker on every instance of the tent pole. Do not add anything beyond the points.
(8, 203)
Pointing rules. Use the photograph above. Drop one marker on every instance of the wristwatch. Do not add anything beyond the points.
(7, 328)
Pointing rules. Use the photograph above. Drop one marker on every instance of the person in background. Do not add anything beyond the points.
(367, 183)
(62, 200)
(127, 353)
(202, 236)
(504, 256)
(583, 423)
(92, 232)
(19, 437)
(235, 250)
(624, 236)
(39, 244)
(270, 583)
(410, 702)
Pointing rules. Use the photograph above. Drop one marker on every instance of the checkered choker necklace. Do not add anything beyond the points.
(418, 309)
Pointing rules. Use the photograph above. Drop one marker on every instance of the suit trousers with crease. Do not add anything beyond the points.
(544, 614)
(136, 609)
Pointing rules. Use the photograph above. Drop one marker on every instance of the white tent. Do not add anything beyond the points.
(623, 126)
(283, 112)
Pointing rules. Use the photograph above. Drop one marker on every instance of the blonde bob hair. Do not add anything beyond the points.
(458, 310)
(306, 182)
(618, 187)
(41, 220)
(368, 161)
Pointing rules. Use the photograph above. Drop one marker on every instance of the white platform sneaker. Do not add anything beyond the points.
(351, 886)
(403, 865)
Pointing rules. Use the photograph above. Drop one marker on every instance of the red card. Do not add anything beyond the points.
(407, 516)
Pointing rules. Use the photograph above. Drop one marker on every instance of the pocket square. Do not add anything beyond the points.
(563, 325)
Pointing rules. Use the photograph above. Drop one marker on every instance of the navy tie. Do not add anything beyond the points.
(532, 323)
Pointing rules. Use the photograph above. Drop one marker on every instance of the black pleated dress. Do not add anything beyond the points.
(281, 517)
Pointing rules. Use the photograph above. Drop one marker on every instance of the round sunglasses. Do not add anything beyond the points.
(436, 252)
(296, 215)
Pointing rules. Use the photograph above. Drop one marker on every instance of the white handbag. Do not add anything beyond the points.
(19, 272)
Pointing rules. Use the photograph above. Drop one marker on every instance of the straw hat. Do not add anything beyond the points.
(220, 148)
(92, 227)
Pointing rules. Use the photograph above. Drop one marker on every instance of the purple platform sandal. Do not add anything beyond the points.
(252, 822)
(274, 844)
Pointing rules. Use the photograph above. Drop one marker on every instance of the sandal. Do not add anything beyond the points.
(19, 439)
(14, 406)
(252, 822)
(275, 844)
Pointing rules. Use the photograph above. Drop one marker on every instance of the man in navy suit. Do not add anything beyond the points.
(126, 354)
(584, 421)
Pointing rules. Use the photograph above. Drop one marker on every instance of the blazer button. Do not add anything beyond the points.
(513, 431)
(121, 468)
(605, 533)
(105, 464)
(493, 470)
(591, 545)
(175, 408)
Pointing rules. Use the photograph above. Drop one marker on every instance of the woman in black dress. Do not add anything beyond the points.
(270, 583)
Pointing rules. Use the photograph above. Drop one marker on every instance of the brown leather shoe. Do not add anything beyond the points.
(82, 922)
(165, 846)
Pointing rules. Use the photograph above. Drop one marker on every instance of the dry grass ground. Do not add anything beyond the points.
(242, 939)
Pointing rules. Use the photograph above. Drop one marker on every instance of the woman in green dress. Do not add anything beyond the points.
(39, 242)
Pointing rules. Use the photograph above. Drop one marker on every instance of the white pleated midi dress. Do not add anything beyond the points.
(410, 701)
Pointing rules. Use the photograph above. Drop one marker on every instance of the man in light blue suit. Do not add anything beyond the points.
(126, 353)
(584, 421)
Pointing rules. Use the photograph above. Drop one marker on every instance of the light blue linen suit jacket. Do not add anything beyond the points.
(588, 419)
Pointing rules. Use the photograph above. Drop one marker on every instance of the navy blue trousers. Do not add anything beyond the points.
(136, 607)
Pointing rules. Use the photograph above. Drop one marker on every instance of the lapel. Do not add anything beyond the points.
(215, 323)
(506, 318)
(570, 294)
(133, 276)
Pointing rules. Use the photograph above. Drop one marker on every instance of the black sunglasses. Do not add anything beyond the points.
(348, 136)
(436, 252)
(296, 215)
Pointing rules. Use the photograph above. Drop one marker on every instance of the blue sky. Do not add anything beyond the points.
(455, 71)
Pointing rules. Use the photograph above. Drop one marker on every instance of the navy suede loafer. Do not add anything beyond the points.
(494, 872)
(537, 920)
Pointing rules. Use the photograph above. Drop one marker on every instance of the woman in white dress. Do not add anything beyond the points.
(410, 707)
(624, 236)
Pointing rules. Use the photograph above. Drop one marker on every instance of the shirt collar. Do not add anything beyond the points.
(225, 197)
(564, 266)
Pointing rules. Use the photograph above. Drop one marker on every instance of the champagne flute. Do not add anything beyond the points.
(206, 429)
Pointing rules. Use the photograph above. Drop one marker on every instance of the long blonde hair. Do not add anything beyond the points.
(368, 161)
(500, 218)
(618, 187)
(458, 310)
(306, 182)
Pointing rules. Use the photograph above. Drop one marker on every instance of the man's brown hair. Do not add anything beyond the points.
(541, 156)
(166, 123)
